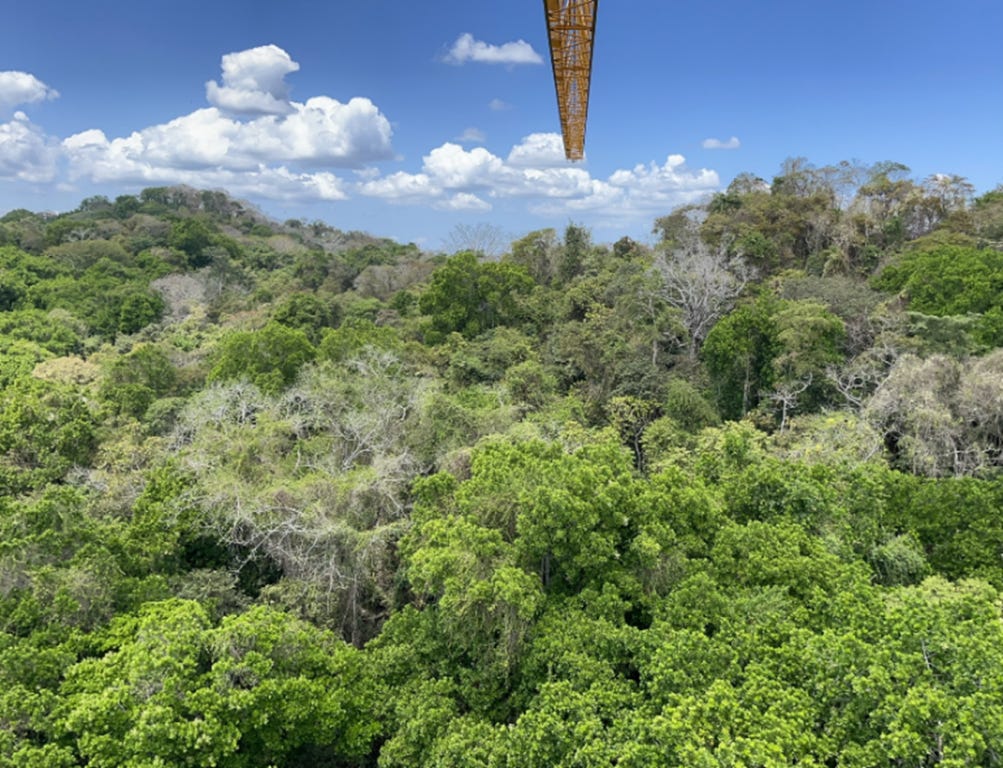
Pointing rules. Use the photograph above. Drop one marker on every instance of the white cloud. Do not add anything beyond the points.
(732, 143)
(552, 183)
(255, 141)
(472, 136)
(145, 158)
(454, 167)
(26, 153)
(402, 187)
(261, 144)
(94, 157)
(322, 131)
(466, 48)
(497, 105)
(451, 175)
(642, 191)
(540, 150)
(670, 178)
(463, 201)
(254, 82)
(18, 88)
(651, 174)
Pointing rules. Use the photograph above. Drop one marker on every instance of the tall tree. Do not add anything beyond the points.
(702, 283)
(577, 244)
(469, 297)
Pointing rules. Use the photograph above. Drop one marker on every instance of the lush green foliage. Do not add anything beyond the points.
(269, 357)
(281, 495)
(470, 297)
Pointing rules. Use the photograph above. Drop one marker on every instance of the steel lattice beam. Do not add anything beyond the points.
(572, 26)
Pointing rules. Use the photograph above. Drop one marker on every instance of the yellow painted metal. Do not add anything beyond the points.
(572, 26)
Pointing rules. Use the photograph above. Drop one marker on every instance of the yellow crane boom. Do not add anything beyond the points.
(572, 26)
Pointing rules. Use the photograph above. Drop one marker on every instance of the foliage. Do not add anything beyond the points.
(351, 337)
(947, 280)
(109, 297)
(135, 380)
(193, 237)
(739, 353)
(307, 313)
(258, 689)
(469, 297)
(45, 430)
(269, 358)
(281, 494)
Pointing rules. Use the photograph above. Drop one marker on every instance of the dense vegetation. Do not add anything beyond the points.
(283, 495)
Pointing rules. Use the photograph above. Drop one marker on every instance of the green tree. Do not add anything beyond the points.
(133, 381)
(270, 357)
(258, 690)
(739, 353)
(947, 280)
(56, 331)
(470, 297)
(537, 254)
(351, 337)
(809, 339)
(138, 310)
(307, 312)
(574, 252)
(45, 429)
(192, 236)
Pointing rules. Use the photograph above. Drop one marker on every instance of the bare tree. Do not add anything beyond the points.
(942, 416)
(384, 280)
(701, 282)
(315, 481)
(182, 293)
(786, 395)
(488, 240)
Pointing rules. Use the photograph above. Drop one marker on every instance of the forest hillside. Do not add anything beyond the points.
(278, 494)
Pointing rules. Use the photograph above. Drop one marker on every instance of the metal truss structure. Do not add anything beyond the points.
(572, 26)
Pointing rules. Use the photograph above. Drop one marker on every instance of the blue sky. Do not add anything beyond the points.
(408, 119)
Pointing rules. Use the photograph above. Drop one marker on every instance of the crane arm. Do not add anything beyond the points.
(571, 25)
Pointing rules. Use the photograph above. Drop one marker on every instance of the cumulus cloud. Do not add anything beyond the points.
(255, 141)
(540, 150)
(321, 132)
(171, 154)
(665, 183)
(17, 88)
(254, 82)
(497, 105)
(564, 183)
(642, 190)
(454, 167)
(94, 157)
(252, 139)
(26, 153)
(455, 178)
(402, 187)
(732, 143)
(466, 48)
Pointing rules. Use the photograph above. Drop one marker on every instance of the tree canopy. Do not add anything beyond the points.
(278, 494)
